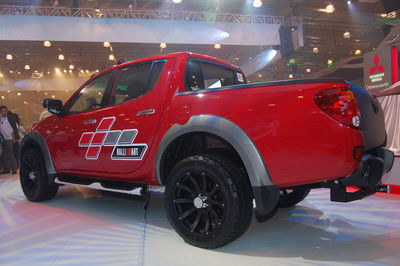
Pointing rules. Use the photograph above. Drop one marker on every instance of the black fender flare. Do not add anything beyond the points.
(265, 192)
(36, 138)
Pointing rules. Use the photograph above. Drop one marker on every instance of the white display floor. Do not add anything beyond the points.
(83, 227)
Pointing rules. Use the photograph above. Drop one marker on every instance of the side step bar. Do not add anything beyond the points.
(138, 191)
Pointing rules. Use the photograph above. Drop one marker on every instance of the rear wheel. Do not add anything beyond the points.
(290, 197)
(34, 179)
(208, 200)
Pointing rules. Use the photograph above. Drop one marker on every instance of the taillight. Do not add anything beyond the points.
(339, 103)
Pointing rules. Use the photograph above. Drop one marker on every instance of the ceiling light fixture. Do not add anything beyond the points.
(177, 1)
(111, 57)
(163, 45)
(290, 76)
(357, 52)
(257, 3)
(217, 46)
(106, 44)
(315, 50)
(57, 70)
(61, 57)
(27, 67)
(71, 67)
(330, 8)
(46, 43)
(308, 70)
(347, 35)
(330, 62)
(9, 57)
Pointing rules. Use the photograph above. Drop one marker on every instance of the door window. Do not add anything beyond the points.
(135, 81)
(91, 97)
(204, 75)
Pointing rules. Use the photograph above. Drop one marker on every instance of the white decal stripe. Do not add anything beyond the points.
(109, 127)
(85, 145)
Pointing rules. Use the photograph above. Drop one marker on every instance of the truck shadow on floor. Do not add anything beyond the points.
(303, 231)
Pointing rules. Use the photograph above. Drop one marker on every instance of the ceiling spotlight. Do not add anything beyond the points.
(19, 94)
(290, 76)
(257, 3)
(27, 67)
(349, 2)
(330, 8)
(163, 45)
(315, 50)
(106, 44)
(357, 52)
(81, 71)
(46, 43)
(9, 57)
(217, 46)
(111, 57)
(308, 70)
(11, 71)
(71, 67)
(61, 57)
(65, 71)
(176, 1)
(347, 35)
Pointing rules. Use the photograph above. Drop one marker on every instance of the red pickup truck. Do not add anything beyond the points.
(193, 124)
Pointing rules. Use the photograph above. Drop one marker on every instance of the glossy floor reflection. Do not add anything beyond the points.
(84, 227)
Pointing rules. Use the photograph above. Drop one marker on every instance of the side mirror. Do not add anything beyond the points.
(54, 106)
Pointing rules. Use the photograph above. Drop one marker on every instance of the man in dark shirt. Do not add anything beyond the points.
(9, 131)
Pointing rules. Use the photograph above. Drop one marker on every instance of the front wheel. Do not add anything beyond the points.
(34, 179)
(208, 200)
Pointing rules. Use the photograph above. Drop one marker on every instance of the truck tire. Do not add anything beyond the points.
(208, 200)
(290, 197)
(34, 179)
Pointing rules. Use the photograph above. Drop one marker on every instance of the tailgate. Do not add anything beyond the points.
(372, 122)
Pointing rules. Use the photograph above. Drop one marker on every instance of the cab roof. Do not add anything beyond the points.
(183, 55)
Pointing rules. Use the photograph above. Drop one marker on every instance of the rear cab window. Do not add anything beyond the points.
(201, 74)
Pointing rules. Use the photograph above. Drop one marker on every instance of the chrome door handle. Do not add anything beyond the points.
(146, 112)
(90, 122)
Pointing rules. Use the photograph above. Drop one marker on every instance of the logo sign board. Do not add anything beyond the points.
(377, 69)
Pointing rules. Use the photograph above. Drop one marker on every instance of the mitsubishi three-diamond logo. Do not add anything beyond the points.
(121, 140)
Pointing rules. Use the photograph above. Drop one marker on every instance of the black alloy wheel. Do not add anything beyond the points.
(34, 179)
(290, 197)
(208, 200)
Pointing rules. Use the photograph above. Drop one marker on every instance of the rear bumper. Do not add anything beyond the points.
(367, 177)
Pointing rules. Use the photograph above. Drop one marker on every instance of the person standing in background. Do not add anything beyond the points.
(9, 130)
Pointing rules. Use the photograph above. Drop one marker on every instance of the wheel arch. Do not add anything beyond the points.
(264, 190)
(35, 140)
